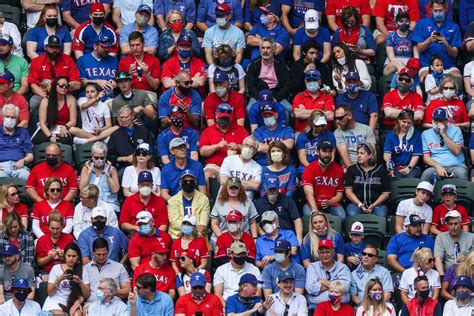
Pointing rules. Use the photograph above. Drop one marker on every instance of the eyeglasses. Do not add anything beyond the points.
(57, 190)
(98, 158)
(366, 254)
(187, 83)
(406, 80)
(249, 146)
(63, 85)
(340, 118)
(141, 153)
(13, 193)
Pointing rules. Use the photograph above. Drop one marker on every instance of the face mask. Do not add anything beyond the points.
(438, 17)
(269, 228)
(177, 26)
(51, 161)
(280, 257)
(333, 299)
(403, 87)
(223, 122)
(52, 56)
(145, 191)
(199, 297)
(312, 86)
(187, 229)
(276, 156)
(404, 27)
(98, 20)
(233, 227)
(9, 122)
(424, 294)
(462, 295)
(272, 197)
(184, 90)
(142, 20)
(341, 61)
(98, 225)
(99, 163)
(264, 19)
(353, 88)
(269, 121)
(221, 92)
(144, 229)
(324, 161)
(177, 121)
(184, 53)
(226, 63)
(221, 22)
(100, 295)
(377, 296)
(247, 153)
(21, 296)
(51, 22)
(5, 55)
(239, 260)
(188, 187)
(350, 26)
(449, 94)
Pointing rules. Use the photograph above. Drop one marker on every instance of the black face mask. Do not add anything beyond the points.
(188, 187)
(324, 162)
(424, 294)
(184, 90)
(98, 225)
(177, 121)
(98, 20)
(247, 301)
(224, 122)
(21, 296)
(52, 161)
(52, 22)
(239, 260)
(53, 56)
(5, 55)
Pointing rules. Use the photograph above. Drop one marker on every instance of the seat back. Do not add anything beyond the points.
(375, 228)
(214, 187)
(401, 190)
(11, 14)
(39, 153)
(382, 258)
(335, 222)
(82, 153)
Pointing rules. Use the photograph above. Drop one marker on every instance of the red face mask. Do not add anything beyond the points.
(176, 26)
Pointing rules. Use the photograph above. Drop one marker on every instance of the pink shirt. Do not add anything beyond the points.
(268, 74)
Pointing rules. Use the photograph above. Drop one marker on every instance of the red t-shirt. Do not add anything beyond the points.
(323, 102)
(165, 276)
(41, 211)
(172, 66)
(455, 109)
(225, 240)
(42, 172)
(235, 100)
(389, 9)
(199, 244)
(20, 208)
(140, 246)
(40, 69)
(392, 99)
(212, 135)
(440, 212)
(325, 183)
(20, 102)
(141, 83)
(335, 7)
(211, 305)
(45, 244)
(133, 205)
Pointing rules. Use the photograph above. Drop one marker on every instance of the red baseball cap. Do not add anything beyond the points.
(406, 72)
(414, 63)
(223, 9)
(190, 253)
(97, 7)
(234, 216)
(325, 243)
(158, 247)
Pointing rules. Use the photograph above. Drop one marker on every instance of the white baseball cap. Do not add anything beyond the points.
(144, 217)
(425, 185)
(98, 211)
(189, 219)
(453, 214)
(357, 228)
(320, 121)
(311, 19)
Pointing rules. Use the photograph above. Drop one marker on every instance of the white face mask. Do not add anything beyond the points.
(233, 227)
(145, 191)
(9, 122)
(341, 61)
(276, 156)
(268, 228)
(449, 94)
(247, 153)
(221, 91)
(221, 22)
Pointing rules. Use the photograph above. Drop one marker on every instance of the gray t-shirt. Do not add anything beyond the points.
(352, 137)
(444, 247)
(139, 98)
(220, 211)
(25, 271)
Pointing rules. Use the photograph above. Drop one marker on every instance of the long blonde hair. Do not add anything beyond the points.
(315, 238)
(467, 266)
(419, 256)
(382, 307)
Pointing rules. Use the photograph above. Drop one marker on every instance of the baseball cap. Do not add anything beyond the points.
(20, 284)
(321, 121)
(414, 63)
(265, 96)
(52, 40)
(145, 176)
(122, 75)
(268, 108)
(233, 182)
(6, 76)
(312, 74)
(449, 188)
(463, 280)
(6, 39)
(248, 278)
(144, 8)
(176, 142)
(271, 182)
(98, 211)
(282, 245)
(103, 40)
(197, 279)
(325, 144)
(425, 185)
(453, 214)
(439, 114)
(268, 10)
(269, 216)
(413, 220)
(97, 7)
(10, 249)
(357, 228)
(224, 110)
(238, 247)
(144, 217)
(223, 9)
(219, 76)
(189, 219)
(402, 15)
(406, 72)
(184, 39)
(311, 19)
(234, 216)
(325, 243)
(158, 247)
(352, 75)
(143, 147)
(285, 275)
(187, 173)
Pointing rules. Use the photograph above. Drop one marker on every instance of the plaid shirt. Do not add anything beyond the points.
(27, 246)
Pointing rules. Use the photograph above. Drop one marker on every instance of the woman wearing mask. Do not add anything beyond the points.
(279, 165)
(99, 171)
(167, 40)
(224, 60)
(188, 267)
(320, 229)
(335, 306)
(57, 114)
(455, 107)
(14, 233)
(374, 302)
(403, 147)
(142, 160)
(343, 62)
(464, 268)
(48, 24)
(10, 202)
(191, 241)
(462, 305)
(357, 37)
(68, 284)
(423, 264)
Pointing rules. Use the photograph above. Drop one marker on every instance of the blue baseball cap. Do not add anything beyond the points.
(10, 249)
(20, 284)
(6, 76)
(440, 114)
(220, 76)
(352, 75)
(271, 182)
(463, 280)
(282, 245)
(312, 74)
(265, 97)
(103, 40)
(197, 279)
(184, 39)
(6, 39)
(145, 176)
(285, 275)
(144, 8)
(248, 278)
(187, 172)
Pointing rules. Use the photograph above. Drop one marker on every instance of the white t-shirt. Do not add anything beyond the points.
(130, 178)
(93, 116)
(233, 166)
(30, 308)
(408, 278)
(469, 71)
(82, 217)
(407, 207)
(230, 277)
(451, 308)
(64, 288)
(392, 312)
(430, 83)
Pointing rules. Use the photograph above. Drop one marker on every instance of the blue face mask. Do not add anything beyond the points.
(264, 19)
(184, 53)
(187, 229)
(312, 86)
(100, 295)
(404, 27)
(353, 88)
(226, 63)
(269, 121)
(438, 17)
(144, 229)
(462, 295)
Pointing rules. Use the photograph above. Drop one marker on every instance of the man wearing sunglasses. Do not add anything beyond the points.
(199, 300)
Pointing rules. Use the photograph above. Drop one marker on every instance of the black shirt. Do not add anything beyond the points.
(284, 206)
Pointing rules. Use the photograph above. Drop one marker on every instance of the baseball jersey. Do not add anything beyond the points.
(304, 99)
(140, 246)
(199, 244)
(402, 46)
(266, 136)
(85, 35)
(392, 99)
(133, 205)
(440, 212)
(455, 110)
(45, 244)
(335, 7)
(169, 98)
(80, 9)
(325, 183)
(42, 172)
(42, 69)
(234, 99)
(389, 9)
(225, 240)
(190, 136)
(172, 66)
(42, 209)
(165, 276)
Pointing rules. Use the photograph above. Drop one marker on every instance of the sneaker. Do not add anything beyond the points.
(79, 141)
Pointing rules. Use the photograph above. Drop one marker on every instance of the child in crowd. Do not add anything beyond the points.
(224, 59)
(353, 249)
(433, 79)
(417, 205)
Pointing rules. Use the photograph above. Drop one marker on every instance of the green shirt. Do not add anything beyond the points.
(18, 66)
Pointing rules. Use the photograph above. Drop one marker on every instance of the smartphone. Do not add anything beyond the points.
(436, 33)
(70, 272)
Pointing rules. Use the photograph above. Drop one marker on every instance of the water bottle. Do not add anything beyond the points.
(435, 178)
(457, 251)
(391, 168)
(397, 282)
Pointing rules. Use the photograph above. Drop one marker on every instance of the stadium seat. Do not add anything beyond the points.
(11, 14)
(214, 187)
(38, 153)
(305, 220)
(336, 222)
(382, 258)
(82, 153)
(465, 191)
(400, 190)
(383, 85)
(380, 57)
(375, 228)
(391, 220)
(471, 228)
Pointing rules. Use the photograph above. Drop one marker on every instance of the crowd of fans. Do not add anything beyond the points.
(218, 143)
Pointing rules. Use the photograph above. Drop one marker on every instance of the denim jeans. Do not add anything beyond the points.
(353, 210)
(336, 210)
(414, 173)
(460, 172)
(7, 170)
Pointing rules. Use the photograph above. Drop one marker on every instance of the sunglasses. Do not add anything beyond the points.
(63, 85)
(51, 156)
(141, 153)
(340, 118)
(188, 82)
(366, 254)
(55, 190)
(406, 80)
(182, 258)
(430, 260)
(198, 287)
(234, 188)
(98, 158)
(188, 181)
(449, 88)
(181, 147)
(13, 193)
(227, 111)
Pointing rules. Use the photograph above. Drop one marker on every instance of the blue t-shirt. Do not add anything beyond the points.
(352, 250)
(278, 33)
(206, 12)
(425, 9)
(170, 175)
(265, 245)
(362, 106)
(255, 117)
(441, 154)
(150, 34)
(92, 68)
(38, 35)
(336, 240)
(190, 136)
(404, 245)
(253, 16)
(264, 135)
(186, 7)
(187, 204)
(80, 9)
(402, 152)
(448, 29)
(114, 236)
(310, 143)
(164, 106)
(286, 177)
(299, 8)
(402, 46)
(235, 306)
(322, 37)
